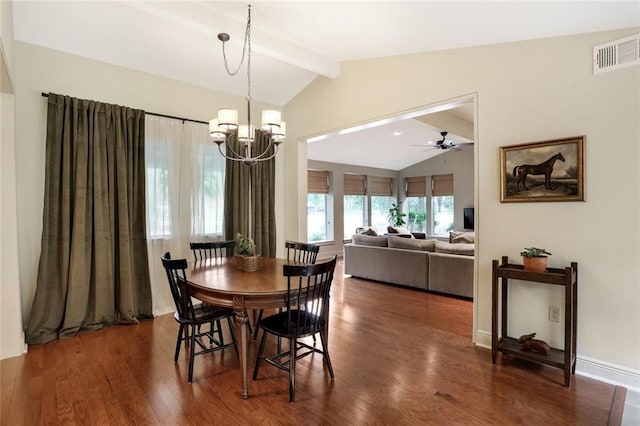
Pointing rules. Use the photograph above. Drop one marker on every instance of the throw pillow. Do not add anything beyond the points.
(369, 240)
(455, 248)
(462, 237)
(412, 244)
(401, 231)
(369, 231)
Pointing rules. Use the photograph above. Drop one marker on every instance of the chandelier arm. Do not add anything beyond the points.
(224, 154)
(266, 150)
(266, 158)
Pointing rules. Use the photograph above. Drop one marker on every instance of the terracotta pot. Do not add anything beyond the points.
(535, 264)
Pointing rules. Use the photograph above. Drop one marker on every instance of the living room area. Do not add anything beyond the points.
(402, 176)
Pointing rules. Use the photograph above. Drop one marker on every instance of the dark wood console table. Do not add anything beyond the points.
(567, 277)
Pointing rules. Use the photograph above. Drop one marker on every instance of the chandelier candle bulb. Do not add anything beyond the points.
(228, 118)
(271, 120)
(246, 132)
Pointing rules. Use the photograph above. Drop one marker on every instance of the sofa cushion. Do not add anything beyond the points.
(412, 244)
(455, 248)
(462, 237)
(369, 240)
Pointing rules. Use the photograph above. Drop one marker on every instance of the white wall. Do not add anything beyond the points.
(44, 70)
(527, 91)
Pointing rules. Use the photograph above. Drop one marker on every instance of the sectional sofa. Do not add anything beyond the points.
(433, 265)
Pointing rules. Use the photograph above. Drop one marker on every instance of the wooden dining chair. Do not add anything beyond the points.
(192, 317)
(307, 304)
(297, 252)
(304, 253)
(212, 249)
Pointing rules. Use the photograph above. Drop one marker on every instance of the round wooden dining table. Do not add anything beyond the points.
(219, 282)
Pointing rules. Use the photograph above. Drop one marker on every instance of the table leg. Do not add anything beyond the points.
(242, 319)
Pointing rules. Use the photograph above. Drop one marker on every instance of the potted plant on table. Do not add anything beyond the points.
(534, 259)
(246, 258)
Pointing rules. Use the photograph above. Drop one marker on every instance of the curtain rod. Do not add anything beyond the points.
(46, 95)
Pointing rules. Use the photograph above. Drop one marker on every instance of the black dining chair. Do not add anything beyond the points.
(307, 304)
(297, 253)
(212, 249)
(192, 317)
(304, 253)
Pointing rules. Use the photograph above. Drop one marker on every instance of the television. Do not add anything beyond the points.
(467, 215)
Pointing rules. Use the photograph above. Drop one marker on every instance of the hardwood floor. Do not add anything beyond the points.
(400, 357)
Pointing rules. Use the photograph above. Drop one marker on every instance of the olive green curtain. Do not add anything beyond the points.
(258, 183)
(93, 268)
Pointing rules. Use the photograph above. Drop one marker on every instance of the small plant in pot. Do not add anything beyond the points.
(246, 258)
(534, 259)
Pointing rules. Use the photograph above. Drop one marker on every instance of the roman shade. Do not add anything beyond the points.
(380, 186)
(416, 186)
(354, 185)
(317, 182)
(441, 185)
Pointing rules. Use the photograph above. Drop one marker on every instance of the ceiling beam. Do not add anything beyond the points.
(210, 19)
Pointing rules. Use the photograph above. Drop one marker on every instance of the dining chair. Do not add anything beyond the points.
(304, 253)
(307, 304)
(212, 249)
(297, 252)
(192, 317)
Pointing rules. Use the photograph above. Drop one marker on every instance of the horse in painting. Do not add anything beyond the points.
(546, 168)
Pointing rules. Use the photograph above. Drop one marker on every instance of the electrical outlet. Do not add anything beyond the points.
(554, 313)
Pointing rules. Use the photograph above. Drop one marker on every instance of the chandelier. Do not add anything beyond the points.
(223, 128)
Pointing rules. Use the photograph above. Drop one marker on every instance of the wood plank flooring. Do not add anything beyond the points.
(400, 356)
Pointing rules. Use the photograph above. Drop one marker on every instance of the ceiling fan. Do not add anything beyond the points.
(442, 144)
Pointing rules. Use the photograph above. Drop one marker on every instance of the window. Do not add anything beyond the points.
(354, 204)
(318, 203)
(184, 180)
(416, 209)
(381, 191)
(415, 205)
(442, 204)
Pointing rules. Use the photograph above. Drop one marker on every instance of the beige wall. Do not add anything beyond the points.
(11, 334)
(527, 91)
(44, 70)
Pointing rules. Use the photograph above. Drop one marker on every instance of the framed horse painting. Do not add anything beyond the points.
(543, 171)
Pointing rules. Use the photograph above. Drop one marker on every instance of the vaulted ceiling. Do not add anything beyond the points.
(295, 41)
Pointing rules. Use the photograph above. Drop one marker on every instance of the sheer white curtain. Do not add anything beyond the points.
(185, 194)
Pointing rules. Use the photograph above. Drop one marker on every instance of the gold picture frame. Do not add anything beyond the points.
(550, 170)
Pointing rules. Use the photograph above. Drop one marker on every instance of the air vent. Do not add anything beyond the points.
(616, 54)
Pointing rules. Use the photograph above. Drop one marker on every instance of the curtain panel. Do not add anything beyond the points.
(255, 183)
(185, 195)
(93, 262)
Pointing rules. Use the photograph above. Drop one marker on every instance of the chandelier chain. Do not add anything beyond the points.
(247, 42)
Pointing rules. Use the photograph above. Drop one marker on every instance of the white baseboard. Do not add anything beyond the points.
(602, 371)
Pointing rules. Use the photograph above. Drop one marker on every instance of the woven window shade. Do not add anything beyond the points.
(416, 186)
(441, 185)
(317, 182)
(354, 185)
(380, 186)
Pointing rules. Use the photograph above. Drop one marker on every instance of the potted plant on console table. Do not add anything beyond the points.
(534, 259)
